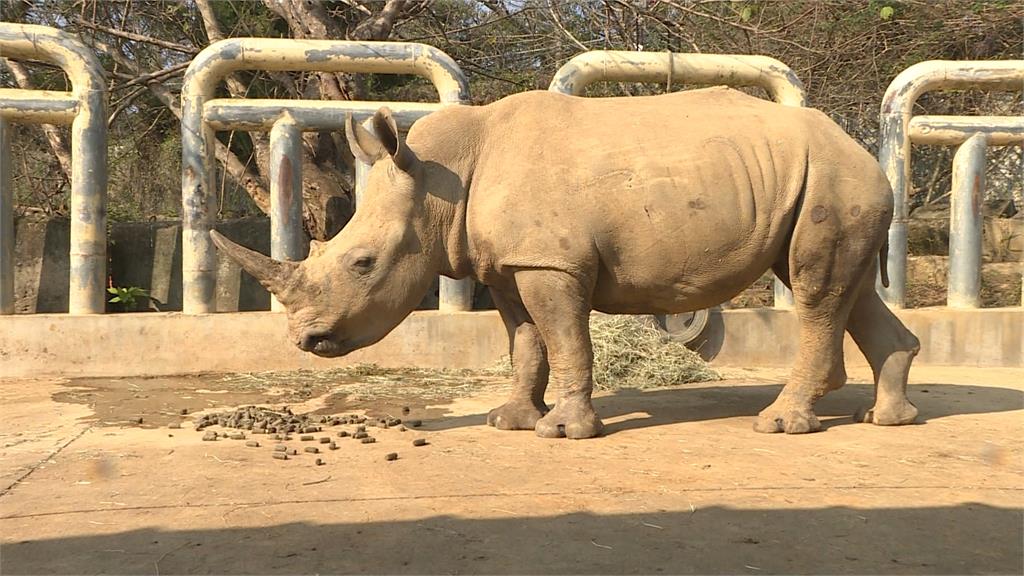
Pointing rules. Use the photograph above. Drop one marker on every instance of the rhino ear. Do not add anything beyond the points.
(316, 247)
(366, 147)
(386, 129)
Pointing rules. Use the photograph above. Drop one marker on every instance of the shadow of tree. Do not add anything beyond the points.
(968, 538)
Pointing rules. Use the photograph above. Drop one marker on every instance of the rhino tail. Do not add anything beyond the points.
(883, 262)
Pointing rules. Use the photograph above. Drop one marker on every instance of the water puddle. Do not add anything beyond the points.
(371, 391)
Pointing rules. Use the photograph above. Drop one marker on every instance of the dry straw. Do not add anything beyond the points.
(631, 352)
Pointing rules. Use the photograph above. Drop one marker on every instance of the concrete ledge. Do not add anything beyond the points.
(769, 337)
(153, 344)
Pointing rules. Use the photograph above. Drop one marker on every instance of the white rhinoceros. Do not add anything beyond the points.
(563, 205)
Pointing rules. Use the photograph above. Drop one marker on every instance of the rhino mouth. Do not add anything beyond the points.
(332, 348)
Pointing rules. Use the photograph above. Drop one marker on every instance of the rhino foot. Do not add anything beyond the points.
(570, 418)
(516, 415)
(789, 420)
(896, 414)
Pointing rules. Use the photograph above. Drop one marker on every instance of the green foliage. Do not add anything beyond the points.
(127, 296)
(886, 12)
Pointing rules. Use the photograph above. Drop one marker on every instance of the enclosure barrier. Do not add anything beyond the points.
(899, 129)
(202, 115)
(706, 69)
(85, 108)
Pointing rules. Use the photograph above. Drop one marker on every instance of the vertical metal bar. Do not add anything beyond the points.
(363, 169)
(965, 224)
(89, 204)
(6, 222)
(783, 296)
(198, 257)
(894, 158)
(285, 194)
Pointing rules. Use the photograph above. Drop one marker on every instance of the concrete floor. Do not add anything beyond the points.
(680, 484)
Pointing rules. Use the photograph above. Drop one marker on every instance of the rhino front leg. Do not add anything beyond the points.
(560, 306)
(529, 366)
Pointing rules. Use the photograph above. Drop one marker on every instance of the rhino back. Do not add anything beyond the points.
(655, 199)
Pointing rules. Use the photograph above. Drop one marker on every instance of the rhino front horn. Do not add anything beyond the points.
(272, 274)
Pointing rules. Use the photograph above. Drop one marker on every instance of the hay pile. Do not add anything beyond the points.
(632, 353)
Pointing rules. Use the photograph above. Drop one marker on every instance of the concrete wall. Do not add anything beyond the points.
(172, 343)
(142, 254)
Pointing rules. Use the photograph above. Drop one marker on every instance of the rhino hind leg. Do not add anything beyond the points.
(560, 305)
(826, 282)
(889, 348)
(529, 366)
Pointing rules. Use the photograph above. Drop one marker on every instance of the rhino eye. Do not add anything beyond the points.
(363, 264)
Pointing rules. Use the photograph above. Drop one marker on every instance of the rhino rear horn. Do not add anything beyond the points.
(273, 274)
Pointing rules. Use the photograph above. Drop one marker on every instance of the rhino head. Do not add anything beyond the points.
(354, 289)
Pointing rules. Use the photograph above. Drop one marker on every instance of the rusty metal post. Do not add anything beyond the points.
(88, 256)
(197, 130)
(708, 69)
(6, 222)
(285, 194)
(894, 139)
(965, 224)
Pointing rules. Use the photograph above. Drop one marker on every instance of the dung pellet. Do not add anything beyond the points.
(405, 410)
(183, 411)
(391, 456)
(280, 456)
(209, 436)
(414, 423)
(311, 429)
(325, 440)
(419, 442)
(342, 434)
(252, 444)
(368, 440)
(319, 462)
(280, 448)
(360, 435)
(312, 449)
(237, 436)
(360, 428)
(306, 438)
(333, 446)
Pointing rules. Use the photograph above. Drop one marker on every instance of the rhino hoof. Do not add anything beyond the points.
(897, 415)
(516, 415)
(576, 421)
(790, 422)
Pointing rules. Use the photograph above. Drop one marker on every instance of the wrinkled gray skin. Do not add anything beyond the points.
(563, 205)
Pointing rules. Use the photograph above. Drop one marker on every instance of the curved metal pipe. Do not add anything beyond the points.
(88, 152)
(894, 138)
(733, 70)
(199, 259)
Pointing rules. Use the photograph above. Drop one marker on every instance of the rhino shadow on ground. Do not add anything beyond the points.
(960, 539)
(708, 401)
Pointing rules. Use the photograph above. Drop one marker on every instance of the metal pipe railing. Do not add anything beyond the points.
(285, 193)
(219, 59)
(955, 130)
(6, 221)
(706, 69)
(965, 224)
(896, 136)
(85, 108)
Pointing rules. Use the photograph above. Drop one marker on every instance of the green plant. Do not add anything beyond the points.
(127, 295)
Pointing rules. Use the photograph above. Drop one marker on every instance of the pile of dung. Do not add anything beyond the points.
(632, 353)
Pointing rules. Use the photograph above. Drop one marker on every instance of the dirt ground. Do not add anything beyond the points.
(680, 483)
